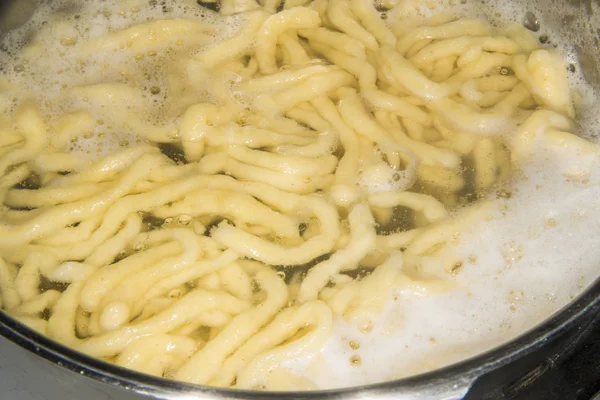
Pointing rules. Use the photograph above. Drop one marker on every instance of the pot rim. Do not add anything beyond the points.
(455, 378)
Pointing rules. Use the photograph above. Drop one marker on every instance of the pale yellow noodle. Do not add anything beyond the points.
(30, 123)
(205, 364)
(50, 196)
(361, 69)
(8, 290)
(265, 251)
(340, 16)
(365, 12)
(337, 40)
(186, 309)
(275, 25)
(155, 354)
(38, 304)
(446, 31)
(362, 226)
(239, 207)
(236, 46)
(106, 278)
(319, 316)
(347, 170)
(152, 35)
(294, 51)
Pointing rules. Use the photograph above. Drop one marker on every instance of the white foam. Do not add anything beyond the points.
(526, 263)
(44, 61)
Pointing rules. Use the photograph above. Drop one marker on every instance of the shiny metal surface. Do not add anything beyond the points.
(33, 367)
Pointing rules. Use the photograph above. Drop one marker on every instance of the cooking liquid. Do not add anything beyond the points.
(535, 255)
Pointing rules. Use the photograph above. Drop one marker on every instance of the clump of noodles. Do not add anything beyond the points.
(198, 195)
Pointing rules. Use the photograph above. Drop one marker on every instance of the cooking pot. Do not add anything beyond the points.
(35, 367)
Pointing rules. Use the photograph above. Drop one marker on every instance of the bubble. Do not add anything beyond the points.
(139, 247)
(531, 22)
(354, 345)
(456, 267)
(355, 361)
(367, 327)
(551, 222)
(504, 193)
(184, 219)
(68, 41)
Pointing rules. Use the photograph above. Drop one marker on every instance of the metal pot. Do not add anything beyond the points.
(35, 367)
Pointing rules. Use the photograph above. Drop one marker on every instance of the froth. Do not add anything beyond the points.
(534, 256)
(45, 59)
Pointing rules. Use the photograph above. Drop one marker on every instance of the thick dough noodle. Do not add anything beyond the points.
(261, 161)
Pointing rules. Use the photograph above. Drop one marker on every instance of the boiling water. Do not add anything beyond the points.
(535, 255)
